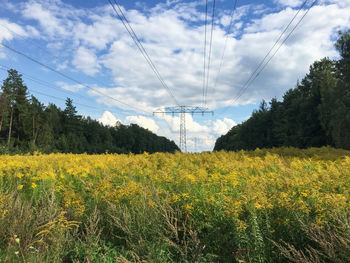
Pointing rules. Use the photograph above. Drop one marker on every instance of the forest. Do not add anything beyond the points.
(313, 114)
(27, 125)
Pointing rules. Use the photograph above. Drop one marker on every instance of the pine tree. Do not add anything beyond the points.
(16, 95)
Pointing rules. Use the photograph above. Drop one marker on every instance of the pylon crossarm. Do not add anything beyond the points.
(182, 110)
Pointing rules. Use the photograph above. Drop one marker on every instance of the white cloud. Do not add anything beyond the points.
(144, 122)
(108, 118)
(221, 127)
(205, 134)
(175, 44)
(63, 65)
(85, 60)
(48, 21)
(32, 31)
(182, 69)
(291, 3)
(172, 33)
(342, 3)
(102, 31)
(70, 87)
(9, 30)
(191, 125)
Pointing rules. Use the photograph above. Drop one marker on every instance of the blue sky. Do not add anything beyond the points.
(85, 41)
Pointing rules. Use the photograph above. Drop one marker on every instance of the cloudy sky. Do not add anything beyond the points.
(108, 78)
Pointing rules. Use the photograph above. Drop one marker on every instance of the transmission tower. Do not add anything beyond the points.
(182, 111)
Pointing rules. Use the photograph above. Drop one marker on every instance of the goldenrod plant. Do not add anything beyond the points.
(246, 206)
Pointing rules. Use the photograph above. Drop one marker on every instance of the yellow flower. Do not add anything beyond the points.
(4, 212)
(34, 185)
(20, 187)
(19, 175)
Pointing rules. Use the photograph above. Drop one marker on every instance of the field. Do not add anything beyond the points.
(259, 206)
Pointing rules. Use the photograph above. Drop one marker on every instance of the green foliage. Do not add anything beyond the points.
(313, 114)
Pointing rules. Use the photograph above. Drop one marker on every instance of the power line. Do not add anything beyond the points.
(225, 45)
(49, 53)
(257, 71)
(58, 98)
(83, 105)
(139, 45)
(205, 49)
(68, 77)
(46, 84)
(144, 51)
(210, 46)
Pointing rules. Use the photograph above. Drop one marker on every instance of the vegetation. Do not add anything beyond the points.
(260, 206)
(26, 125)
(313, 114)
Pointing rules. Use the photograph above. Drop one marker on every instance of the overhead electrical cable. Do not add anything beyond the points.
(84, 105)
(62, 99)
(209, 58)
(70, 78)
(205, 50)
(39, 47)
(274, 45)
(225, 45)
(41, 82)
(44, 83)
(246, 86)
(139, 45)
(47, 84)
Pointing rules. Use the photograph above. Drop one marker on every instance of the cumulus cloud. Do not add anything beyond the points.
(204, 133)
(221, 127)
(9, 31)
(172, 33)
(292, 3)
(85, 60)
(70, 87)
(176, 47)
(144, 122)
(47, 20)
(62, 65)
(108, 118)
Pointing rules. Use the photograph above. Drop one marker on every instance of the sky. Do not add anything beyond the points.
(97, 64)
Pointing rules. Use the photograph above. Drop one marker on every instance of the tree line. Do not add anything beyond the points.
(313, 114)
(27, 125)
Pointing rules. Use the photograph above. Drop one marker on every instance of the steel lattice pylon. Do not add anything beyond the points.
(182, 110)
(183, 146)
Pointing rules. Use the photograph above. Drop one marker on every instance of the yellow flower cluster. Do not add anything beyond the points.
(313, 181)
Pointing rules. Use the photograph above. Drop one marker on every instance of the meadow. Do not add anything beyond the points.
(276, 205)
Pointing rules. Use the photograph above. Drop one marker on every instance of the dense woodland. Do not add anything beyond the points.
(313, 114)
(26, 125)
